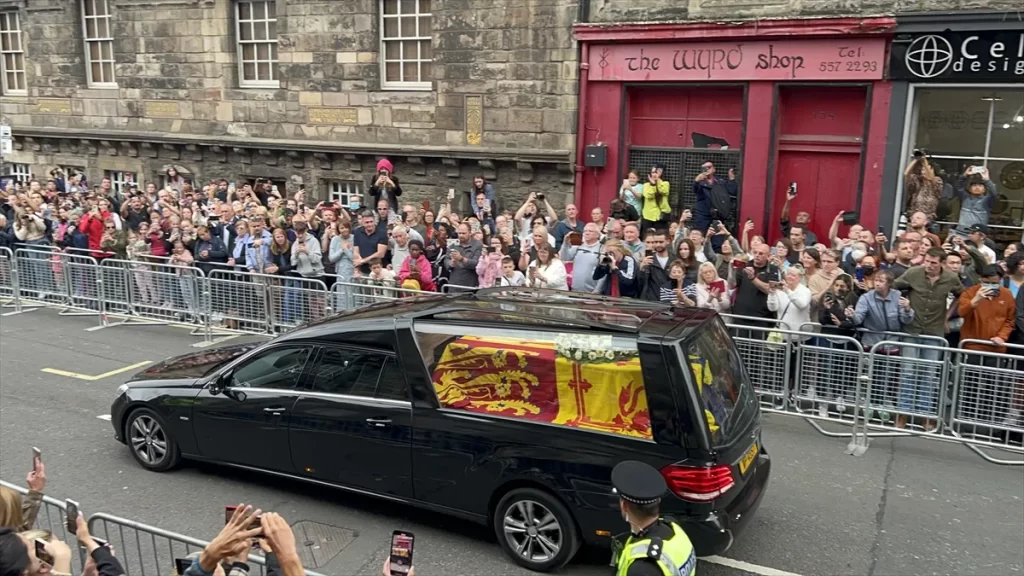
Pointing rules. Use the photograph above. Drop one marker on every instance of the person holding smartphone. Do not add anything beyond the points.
(385, 185)
(977, 195)
(20, 513)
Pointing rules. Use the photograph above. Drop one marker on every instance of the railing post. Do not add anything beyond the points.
(15, 283)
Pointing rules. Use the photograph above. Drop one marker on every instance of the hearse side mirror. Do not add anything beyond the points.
(220, 383)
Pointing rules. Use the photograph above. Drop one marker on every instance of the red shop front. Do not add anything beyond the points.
(780, 101)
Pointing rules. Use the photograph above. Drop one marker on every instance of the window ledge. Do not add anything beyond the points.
(274, 85)
(103, 86)
(407, 87)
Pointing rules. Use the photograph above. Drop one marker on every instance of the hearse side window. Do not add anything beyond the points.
(349, 372)
(720, 379)
(279, 368)
(392, 383)
(581, 380)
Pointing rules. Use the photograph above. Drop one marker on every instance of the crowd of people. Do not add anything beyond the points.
(856, 282)
(29, 551)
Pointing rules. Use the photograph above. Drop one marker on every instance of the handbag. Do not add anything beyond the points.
(775, 338)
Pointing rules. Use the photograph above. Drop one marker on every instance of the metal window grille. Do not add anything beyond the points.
(99, 43)
(20, 172)
(120, 181)
(343, 192)
(256, 31)
(406, 44)
(12, 55)
(681, 166)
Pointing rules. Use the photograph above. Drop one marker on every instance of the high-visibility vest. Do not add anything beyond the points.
(675, 556)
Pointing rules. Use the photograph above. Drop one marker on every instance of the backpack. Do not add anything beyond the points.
(721, 202)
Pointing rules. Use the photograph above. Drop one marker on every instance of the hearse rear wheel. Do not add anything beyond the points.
(535, 529)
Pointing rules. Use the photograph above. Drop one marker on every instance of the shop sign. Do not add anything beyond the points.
(825, 60)
(959, 56)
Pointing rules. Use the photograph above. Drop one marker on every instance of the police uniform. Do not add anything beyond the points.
(661, 549)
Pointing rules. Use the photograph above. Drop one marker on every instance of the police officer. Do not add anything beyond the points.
(655, 546)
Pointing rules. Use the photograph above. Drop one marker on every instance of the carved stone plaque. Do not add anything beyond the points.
(53, 106)
(162, 109)
(333, 116)
(474, 120)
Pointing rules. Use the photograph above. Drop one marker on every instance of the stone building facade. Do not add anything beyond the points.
(131, 87)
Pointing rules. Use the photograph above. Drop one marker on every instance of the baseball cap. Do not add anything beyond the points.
(977, 228)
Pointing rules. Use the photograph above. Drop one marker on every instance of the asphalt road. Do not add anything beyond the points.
(907, 506)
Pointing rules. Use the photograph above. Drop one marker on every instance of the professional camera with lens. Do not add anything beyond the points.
(606, 260)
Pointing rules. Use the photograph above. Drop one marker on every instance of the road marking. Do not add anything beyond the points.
(97, 377)
(746, 566)
(204, 344)
(104, 417)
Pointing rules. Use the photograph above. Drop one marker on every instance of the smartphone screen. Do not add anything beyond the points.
(181, 565)
(37, 458)
(41, 552)
(72, 515)
(229, 511)
(401, 552)
(451, 193)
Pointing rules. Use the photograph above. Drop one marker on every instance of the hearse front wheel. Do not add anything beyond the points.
(535, 529)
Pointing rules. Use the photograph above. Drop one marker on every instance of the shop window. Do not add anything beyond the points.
(963, 127)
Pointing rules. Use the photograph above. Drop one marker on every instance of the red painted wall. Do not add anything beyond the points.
(602, 123)
(756, 150)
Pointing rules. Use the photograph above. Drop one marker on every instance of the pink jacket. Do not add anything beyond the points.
(426, 279)
(488, 269)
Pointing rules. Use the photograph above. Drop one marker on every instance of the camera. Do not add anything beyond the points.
(540, 196)
(606, 260)
(920, 152)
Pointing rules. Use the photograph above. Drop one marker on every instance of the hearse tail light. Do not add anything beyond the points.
(698, 483)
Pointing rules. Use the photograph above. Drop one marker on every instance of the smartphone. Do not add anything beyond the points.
(451, 193)
(401, 552)
(37, 458)
(41, 552)
(792, 188)
(881, 230)
(72, 515)
(274, 189)
(575, 239)
(181, 565)
(860, 274)
(977, 169)
(739, 264)
(229, 511)
(648, 253)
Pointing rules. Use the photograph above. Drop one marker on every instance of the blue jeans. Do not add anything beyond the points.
(920, 379)
(291, 301)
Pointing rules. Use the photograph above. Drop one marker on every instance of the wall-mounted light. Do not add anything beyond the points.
(1006, 126)
(1018, 118)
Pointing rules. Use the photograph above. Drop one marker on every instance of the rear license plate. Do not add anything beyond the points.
(748, 458)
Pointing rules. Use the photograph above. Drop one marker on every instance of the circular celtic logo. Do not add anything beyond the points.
(929, 56)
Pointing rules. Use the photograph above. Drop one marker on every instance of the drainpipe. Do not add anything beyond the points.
(581, 130)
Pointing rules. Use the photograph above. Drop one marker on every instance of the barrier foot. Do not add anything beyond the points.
(859, 444)
(977, 450)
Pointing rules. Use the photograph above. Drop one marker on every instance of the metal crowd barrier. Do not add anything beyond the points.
(141, 549)
(152, 291)
(902, 386)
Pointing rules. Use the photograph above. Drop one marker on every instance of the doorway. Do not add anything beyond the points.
(820, 138)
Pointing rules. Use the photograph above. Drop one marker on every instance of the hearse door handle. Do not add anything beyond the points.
(378, 422)
(275, 411)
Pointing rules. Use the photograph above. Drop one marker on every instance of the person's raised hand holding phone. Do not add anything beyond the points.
(232, 538)
(282, 541)
(37, 477)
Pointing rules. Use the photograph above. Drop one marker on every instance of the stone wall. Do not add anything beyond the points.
(510, 65)
(610, 11)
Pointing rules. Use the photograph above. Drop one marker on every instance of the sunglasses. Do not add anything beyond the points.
(111, 228)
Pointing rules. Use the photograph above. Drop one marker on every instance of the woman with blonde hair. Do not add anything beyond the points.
(20, 514)
(712, 291)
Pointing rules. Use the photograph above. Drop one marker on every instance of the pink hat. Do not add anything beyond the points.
(385, 164)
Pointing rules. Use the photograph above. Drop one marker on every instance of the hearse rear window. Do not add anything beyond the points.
(718, 373)
(588, 381)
